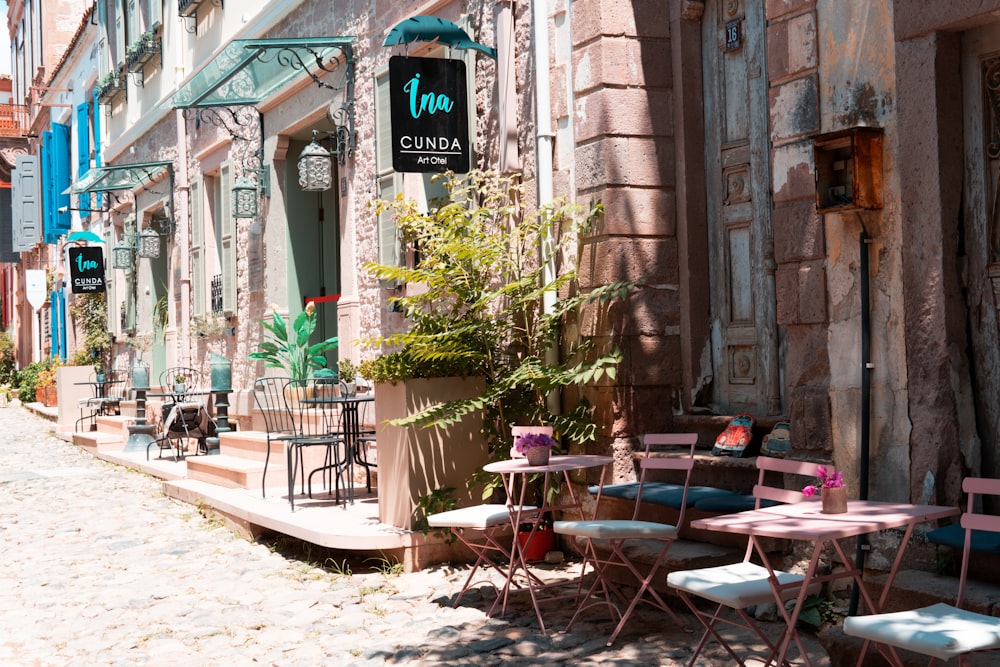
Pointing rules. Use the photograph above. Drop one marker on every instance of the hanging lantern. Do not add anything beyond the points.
(315, 167)
(149, 244)
(245, 198)
(121, 256)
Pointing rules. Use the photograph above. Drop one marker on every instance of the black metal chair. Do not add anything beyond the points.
(269, 394)
(106, 399)
(185, 417)
(365, 440)
(317, 423)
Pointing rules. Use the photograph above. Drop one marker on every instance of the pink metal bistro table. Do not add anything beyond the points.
(805, 522)
(513, 472)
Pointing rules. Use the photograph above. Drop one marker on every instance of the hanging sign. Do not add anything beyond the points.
(428, 100)
(86, 270)
(34, 287)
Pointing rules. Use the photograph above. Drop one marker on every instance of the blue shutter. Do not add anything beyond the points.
(27, 191)
(48, 186)
(97, 131)
(83, 152)
(62, 178)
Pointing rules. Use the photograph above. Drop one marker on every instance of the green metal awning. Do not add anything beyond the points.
(120, 177)
(247, 71)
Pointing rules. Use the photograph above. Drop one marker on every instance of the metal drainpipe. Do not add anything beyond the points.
(543, 158)
(866, 369)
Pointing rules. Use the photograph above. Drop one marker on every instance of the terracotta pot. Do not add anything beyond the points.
(834, 500)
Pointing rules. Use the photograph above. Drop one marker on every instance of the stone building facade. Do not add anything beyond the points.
(698, 124)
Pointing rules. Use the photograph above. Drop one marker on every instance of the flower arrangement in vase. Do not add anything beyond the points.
(535, 447)
(832, 490)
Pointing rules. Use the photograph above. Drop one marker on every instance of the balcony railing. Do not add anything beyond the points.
(217, 294)
(13, 120)
(141, 53)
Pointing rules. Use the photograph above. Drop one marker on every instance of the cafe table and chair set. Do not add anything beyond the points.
(718, 597)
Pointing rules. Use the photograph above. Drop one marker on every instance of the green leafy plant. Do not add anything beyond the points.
(347, 370)
(89, 313)
(497, 291)
(27, 379)
(8, 359)
(289, 348)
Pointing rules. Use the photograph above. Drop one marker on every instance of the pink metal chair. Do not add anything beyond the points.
(941, 631)
(616, 533)
(488, 519)
(744, 584)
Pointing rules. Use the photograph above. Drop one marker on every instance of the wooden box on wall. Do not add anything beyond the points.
(849, 170)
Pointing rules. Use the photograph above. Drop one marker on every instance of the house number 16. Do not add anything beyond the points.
(733, 35)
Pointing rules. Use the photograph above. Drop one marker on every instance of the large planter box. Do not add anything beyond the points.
(414, 461)
(70, 393)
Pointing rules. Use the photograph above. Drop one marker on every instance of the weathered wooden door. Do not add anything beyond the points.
(981, 222)
(744, 328)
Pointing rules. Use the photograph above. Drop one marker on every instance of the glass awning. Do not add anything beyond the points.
(247, 71)
(120, 177)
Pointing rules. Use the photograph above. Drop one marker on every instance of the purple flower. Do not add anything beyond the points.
(828, 479)
(531, 440)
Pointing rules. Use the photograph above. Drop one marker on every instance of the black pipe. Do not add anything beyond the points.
(866, 392)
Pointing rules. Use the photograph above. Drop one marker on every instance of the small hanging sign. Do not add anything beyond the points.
(86, 270)
(430, 120)
(734, 35)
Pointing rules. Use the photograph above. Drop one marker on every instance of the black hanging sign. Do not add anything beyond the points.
(86, 270)
(428, 99)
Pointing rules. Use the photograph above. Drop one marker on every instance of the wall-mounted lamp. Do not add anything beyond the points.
(315, 167)
(121, 255)
(149, 244)
(245, 198)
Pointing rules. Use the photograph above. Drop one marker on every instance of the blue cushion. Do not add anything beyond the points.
(729, 504)
(954, 536)
(661, 493)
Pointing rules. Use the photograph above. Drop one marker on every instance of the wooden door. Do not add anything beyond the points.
(980, 266)
(744, 327)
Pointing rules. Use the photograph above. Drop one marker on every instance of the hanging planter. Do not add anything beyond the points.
(142, 52)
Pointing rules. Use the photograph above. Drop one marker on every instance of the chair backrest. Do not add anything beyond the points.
(311, 415)
(765, 464)
(974, 520)
(193, 378)
(117, 385)
(681, 459)
(269, 394)
(516, 431)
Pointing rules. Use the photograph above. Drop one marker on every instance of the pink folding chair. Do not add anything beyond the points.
(489, 520)
(941, 631)
(744, 584)
(618, 532)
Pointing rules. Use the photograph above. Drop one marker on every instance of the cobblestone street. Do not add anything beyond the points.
(98, 567)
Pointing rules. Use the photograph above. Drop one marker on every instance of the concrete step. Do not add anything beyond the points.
(97, 441)
(250, 445)
(234, 472)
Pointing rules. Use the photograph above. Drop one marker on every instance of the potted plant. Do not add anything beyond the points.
(348, 376)
(489, 307)
(180, 382)
(535, 447)
(288, 348)
(45, 385)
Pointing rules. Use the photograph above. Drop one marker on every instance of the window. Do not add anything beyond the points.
(213, 243)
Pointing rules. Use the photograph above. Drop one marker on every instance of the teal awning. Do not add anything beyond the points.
(84, 235)
(120, 177)
(247, 71)
(434, 29)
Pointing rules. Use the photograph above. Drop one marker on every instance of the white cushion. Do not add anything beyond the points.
(941, 630)
(478, 517)
(615, 529)
(738, 585)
